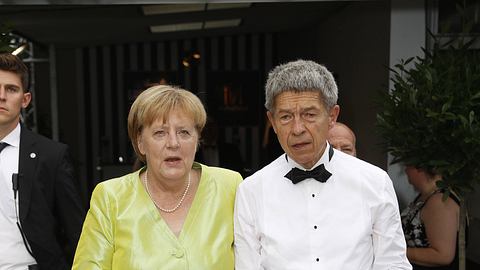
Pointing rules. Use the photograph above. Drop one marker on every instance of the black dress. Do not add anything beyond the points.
(414, 230)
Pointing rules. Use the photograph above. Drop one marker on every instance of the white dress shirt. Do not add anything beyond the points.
(350, 222)
(13, 254)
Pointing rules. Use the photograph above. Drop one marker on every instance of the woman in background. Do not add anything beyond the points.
(173, 213)
(430, 223)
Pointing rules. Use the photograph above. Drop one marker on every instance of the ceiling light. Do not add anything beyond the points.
(213, 6)
(172, 8)
(176, 27)
(196, 55)
(222, 23)
(20, 49)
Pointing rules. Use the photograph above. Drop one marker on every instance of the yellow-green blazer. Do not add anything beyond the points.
(124, 230)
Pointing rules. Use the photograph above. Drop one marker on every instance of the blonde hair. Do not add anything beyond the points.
(156, 103)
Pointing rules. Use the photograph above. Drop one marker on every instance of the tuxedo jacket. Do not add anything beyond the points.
(51, 212)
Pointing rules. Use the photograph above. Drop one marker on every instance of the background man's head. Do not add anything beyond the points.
(342, 138)
(13, 93)
(12, 63)
(301, 99)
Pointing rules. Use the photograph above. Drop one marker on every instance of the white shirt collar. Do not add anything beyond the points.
(13, 138)
(324, 159)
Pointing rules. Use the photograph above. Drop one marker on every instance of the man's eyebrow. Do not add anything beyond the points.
(12, 85)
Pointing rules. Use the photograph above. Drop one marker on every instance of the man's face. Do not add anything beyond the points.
(342, 139)
(12, 100)
(301, 123)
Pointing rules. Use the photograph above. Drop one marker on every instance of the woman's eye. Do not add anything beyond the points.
(160, 133)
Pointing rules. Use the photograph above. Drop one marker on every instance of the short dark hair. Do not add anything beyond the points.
(12, 63)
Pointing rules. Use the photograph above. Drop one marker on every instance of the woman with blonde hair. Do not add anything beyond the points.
(173, 213)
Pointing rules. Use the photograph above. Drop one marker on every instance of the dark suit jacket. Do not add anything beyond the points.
(51, 211)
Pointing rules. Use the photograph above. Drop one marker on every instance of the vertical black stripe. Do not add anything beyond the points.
(115, 92)
(154, 55)
(221, 53)
(88, 117)
(235, 54)
(100, 100)
(140, 59)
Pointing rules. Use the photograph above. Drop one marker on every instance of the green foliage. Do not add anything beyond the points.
(430, 119)
(5, 38)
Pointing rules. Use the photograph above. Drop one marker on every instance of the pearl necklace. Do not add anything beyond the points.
(145, 181)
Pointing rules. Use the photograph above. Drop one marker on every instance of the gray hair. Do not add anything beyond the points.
(300, 76)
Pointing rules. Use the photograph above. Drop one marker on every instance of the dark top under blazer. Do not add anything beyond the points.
(51, 211)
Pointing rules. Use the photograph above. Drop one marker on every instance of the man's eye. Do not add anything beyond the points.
(285, 117)
(12, 89)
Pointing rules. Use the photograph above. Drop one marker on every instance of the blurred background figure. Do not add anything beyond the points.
(342, 138)
(213, 151)
(430, 223)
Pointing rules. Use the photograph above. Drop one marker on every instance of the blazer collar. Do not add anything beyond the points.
(27, 165)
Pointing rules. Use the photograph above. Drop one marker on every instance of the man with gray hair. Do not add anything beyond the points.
(314, 207)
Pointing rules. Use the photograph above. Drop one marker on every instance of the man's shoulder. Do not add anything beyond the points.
(269, 171)
(355, 164)
(28, 136)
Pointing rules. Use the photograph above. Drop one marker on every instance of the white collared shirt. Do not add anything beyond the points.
(351, 222)
(13, 254)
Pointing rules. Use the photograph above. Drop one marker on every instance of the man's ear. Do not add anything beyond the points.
(27, 97)
(270, 118)
(333, 115)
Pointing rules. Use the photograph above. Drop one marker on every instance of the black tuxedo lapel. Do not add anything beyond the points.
(27, 165)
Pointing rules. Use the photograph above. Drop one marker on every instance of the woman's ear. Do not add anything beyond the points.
(140, 144)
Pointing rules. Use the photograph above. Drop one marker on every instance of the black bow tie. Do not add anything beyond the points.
(3, 145)
(319, 173)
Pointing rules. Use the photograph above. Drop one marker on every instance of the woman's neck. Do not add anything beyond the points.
(429, 187)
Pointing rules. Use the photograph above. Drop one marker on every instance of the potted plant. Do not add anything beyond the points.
(5, 38)
(431, 117)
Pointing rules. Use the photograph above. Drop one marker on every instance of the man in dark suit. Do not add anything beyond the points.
(41, 213)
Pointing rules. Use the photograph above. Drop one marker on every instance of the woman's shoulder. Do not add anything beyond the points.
(221, 175)
(117, 185)
(442, 201)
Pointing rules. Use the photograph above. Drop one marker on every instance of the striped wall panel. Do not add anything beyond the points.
(106, 101)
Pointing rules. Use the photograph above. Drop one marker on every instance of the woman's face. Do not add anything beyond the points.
(169, 146)
(415, 176)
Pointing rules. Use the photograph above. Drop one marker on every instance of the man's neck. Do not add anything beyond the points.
(7, 128)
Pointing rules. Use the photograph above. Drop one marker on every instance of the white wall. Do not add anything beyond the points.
(407, 36)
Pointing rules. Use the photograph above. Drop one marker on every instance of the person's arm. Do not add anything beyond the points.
(96, 245)
(441, 223)
(388, 240)
(70, 210)
(247, 242)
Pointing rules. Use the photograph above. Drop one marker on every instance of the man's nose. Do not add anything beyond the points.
(3, 93)
(298, 126)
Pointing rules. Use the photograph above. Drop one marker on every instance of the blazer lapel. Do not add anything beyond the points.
(28, 157)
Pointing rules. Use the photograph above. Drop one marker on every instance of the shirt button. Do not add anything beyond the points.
(313, 195)
(317, 259)
(178, 253)
(315, 227)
